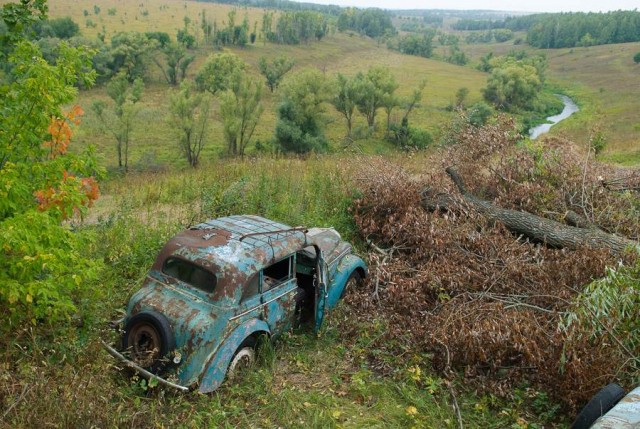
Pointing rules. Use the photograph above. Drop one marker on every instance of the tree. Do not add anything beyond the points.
(275, 71)
(461, 96)
(215, 74)
(190, 116)
(42, 264)
(300, 125)
(636, 58)
(61, 28)
(240, 109)
(130, 52)
(513, 85)
(344, 99)
(119, 120)
(176, 61)
(374, 90)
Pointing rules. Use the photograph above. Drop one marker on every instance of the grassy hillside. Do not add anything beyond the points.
(343, 53)
(603, 81)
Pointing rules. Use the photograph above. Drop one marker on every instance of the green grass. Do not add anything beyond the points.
(153, 140)
(600, 79)
(60, 376)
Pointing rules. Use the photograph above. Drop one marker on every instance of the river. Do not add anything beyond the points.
(569, 109)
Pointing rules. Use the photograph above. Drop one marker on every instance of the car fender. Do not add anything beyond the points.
(346, 267)
(216, 370)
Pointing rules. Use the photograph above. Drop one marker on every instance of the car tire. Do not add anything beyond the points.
(243, 359)
(148, 338)
(600, 404)
(354, 280)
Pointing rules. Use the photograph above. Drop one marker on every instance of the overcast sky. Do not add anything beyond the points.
(506, 5)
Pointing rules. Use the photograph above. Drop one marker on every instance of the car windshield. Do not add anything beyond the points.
(190, 273)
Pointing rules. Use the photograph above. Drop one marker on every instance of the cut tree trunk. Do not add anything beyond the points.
(536, 228)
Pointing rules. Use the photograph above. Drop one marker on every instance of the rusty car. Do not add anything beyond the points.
(217, 287)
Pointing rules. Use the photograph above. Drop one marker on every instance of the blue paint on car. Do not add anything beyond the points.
(219, 285)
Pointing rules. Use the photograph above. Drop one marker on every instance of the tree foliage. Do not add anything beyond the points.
(344, 98)
(566, 30)
(190, 118)
(375, 89)
(218, 71)
(370, 22)
(275, 71)
(292, 28)
(118, 120)
(43, 266)
(515, 82)
(300, 125)
(240, 108)
(173, 62)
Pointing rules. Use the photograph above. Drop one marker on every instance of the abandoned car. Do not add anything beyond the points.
(215, 288)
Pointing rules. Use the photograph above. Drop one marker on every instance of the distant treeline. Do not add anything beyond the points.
(566, 30)
(281, 5)
(371, 22)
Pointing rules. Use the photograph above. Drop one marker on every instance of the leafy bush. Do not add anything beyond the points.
(408, 137)
(479, 114)
(636, 58)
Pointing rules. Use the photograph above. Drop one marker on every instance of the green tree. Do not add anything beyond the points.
(513, 85)
(130, 52)
(240, 108)
(119, 119)
(275, 71)
(636, 58)
(190, 118)
(375, 89)
(62, 28)
(300, 125)
(461, 96)
(42, 264)
(173, 63)
(344, 99)
(216, 73)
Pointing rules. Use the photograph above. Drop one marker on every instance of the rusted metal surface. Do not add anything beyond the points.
(210, 324)
(625, 415)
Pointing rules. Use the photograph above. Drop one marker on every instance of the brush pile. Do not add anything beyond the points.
(501, 308)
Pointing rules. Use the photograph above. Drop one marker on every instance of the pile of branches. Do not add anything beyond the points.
(453, 281)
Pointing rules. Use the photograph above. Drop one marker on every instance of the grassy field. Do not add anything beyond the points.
(63, 378)
(337, 53)
(603, 80)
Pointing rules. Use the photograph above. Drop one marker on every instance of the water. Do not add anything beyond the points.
(569, 109)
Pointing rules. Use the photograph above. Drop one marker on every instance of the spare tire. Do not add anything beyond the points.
(599, 405)
(148, 338)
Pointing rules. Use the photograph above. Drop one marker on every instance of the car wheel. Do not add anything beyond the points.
(354, 280)
(148, 338)
(243, 359)
(599, 405)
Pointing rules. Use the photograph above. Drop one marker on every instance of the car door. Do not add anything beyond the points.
(320, 289)
(278, 293)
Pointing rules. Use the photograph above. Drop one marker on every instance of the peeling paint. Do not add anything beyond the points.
(215, 297)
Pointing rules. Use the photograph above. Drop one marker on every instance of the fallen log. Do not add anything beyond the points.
(536, 228)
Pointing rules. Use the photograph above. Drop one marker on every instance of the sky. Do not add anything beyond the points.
(504, 5)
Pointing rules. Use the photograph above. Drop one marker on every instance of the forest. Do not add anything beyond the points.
(566, 30)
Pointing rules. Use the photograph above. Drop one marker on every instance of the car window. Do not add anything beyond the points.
(277, 273)
(251, 289)
(190, 273)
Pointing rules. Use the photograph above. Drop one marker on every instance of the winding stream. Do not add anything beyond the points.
(569, 109)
